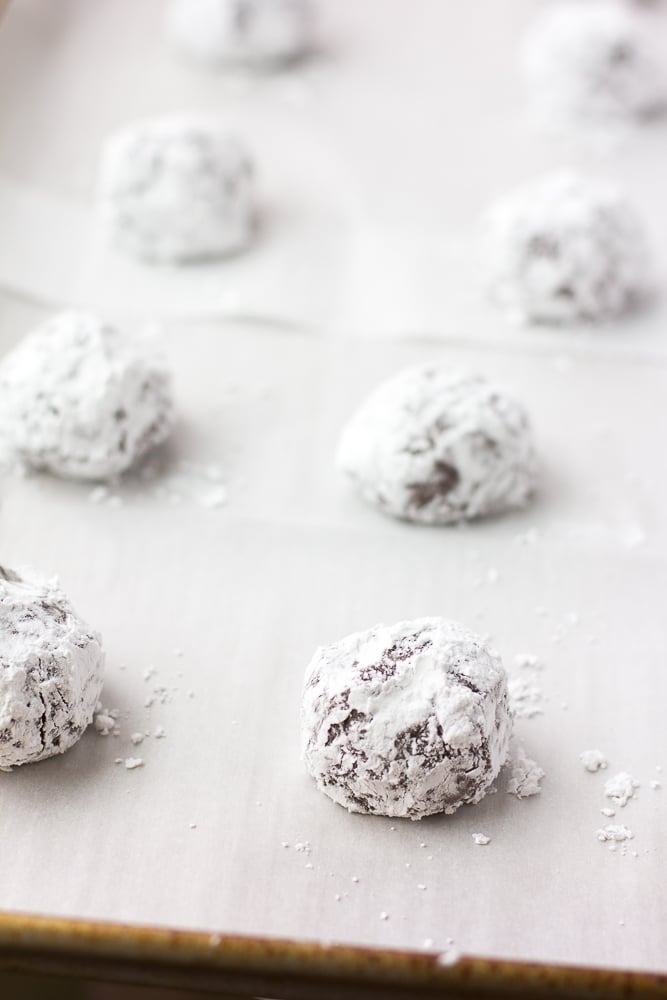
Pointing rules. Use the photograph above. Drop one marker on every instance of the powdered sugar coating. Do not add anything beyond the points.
(51, 667)
(83, 400)
(254, 32)
(594, 61)
(567, 248)
(406, 720)
(436, 446)
(176, 189)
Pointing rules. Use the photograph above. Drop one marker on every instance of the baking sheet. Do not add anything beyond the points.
(375, 239)
(294, 560)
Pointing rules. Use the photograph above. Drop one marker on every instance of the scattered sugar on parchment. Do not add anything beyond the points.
(608, 812)
(137, 738)
(420, 885)
(526, 775)
(614, 833)
(655, 785)
(159, 733)
(481, 839)
(593, 760)
(133, 762)
(384, 915)
(621, 788)
(449, 957)
(104, 722)
(526, 697)
(193, 826)
(149, 672)
(303, 846)
(355, 878)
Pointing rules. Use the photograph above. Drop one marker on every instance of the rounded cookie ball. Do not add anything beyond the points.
(173, 190)
(594, 61)
(83, 400)
(51, 667)
(252, 32)
(567, 248)
(436, 446)
(406, 720)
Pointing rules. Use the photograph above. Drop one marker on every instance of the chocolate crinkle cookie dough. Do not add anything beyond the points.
(51, 667)
(567, 248)
(252, 32)
(176, 189)
(595, 61)
(435, 446)
(82, 400)
(406, 720)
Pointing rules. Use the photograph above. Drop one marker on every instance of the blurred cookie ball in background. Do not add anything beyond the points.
(175, 190)
(437, 446)
(256, 33)
(601, 61)
(82, 400)
(567, 248)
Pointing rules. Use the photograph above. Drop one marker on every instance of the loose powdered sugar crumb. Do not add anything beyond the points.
(614, 833)
(133, 762)
(593, 760)
(481, 839)
(525, 777)
(621, 788)
(526, 697)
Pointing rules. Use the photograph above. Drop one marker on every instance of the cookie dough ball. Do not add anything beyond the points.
(82, 400)
(567, 248)
(406, 720)
(435, 446)
(594, 60)
(174, 190)
(251, 32)
(51, 667)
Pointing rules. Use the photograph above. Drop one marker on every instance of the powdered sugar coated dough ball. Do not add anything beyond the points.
(83, 400)
(51, 667)
(256, 32)
(595, 60)
(174, 190)
(436, 446)
(567, 248)
(406, 720)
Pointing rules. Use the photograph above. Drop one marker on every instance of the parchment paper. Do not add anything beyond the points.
(401, 130)
(247, 592)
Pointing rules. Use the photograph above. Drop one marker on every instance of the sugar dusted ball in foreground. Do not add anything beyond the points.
(252, 32)
(51, 667)
(406, 720)
(174, 190)
(567, 248)
(437, 446)
(594, 61)
(82, 400)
